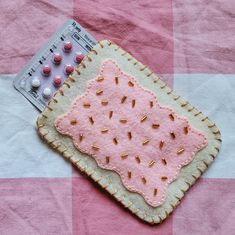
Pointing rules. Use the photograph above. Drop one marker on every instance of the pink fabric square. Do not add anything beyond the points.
(26, 26)
(204, 36)
(35, 206)
(122, 126)
(207, 208)
(95, 212)
(145, 29)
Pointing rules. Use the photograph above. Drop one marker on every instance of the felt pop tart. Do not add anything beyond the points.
(117, 121)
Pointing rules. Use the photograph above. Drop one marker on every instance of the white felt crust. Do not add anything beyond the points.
(109, 180)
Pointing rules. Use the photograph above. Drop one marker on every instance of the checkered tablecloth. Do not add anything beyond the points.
(191, 44)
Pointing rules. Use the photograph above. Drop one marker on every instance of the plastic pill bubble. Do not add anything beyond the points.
(69, 69)
(68, 46)
(46, 93)
(35, 82)
(78, 57)
(57, 58)
(57, 81)
(46, 70)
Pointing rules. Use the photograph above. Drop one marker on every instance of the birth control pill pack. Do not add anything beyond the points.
(48, 69)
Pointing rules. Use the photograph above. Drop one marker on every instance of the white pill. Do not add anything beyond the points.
(46, 92)
(35, 83)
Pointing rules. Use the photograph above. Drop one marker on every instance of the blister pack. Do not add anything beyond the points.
(54, 62)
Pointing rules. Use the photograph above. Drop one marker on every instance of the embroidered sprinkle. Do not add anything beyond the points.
(124, 156)
(123, 120)
(164, 178)
(172, 135)
(80, 137)
(110, 114)
(95, 147)
(171, 116)
(146, 141)
(144, 181)
(133, 103)
(107, 160)
(151, 163)
(116, 80)
(73, 122)
(115, 141)
(91, 120)
(144, 118)
(86, 105)
(155, 126)
(104, 130)
(155, 192)
(137, 158)
(180, 151)
(164, 162)
(100, 79)
(104, 102)
(99, 92)
(123, 99)
(161, 144)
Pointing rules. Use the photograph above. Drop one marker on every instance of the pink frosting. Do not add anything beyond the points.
(122, 126)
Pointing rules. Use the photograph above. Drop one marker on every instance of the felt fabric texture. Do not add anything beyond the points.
(170, 36)
(76, 85)
(123, 127)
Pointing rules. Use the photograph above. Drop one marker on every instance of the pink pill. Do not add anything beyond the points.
(69, 69)
(46, 70)
(57, 58)
(68, 46)
(57, 81)
(79, 57)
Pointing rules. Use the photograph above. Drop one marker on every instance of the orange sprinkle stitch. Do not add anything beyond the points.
(171, 116)
(123, 120)
(146, 141)
(155, 125)
(104, 130)
(130, 83)
(164, 178)
(100, 79)
(155, 192)
(115, 141)
(99, 92)
(164, 162)
(116, 80)
(137, 158)
(172, 135)
(86, 105)
(95, 147)
(80, 137)
(124, 155)
(180, 151)
(144, 181)
(104, 102)
(152, 162)
(186, 130)
(91, 120)
(73, 122)
(107, 160)
(143, 118)
(123, 99)
(161, 144)
(133, 103)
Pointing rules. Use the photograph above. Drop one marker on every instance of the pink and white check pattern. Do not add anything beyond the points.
(190, 45)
